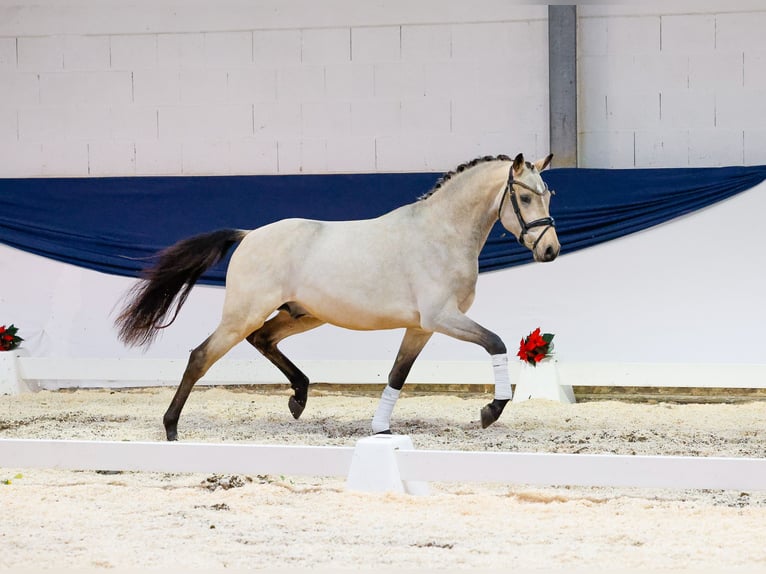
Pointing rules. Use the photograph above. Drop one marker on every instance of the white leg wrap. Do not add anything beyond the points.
(502, 379)
(382, 419)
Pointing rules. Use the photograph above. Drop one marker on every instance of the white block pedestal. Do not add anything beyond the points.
(374, 467)
(542, 382)
(10, 380)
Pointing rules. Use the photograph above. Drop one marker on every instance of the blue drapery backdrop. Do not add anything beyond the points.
(115, 225)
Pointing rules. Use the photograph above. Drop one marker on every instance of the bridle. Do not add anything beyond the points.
(547, 222)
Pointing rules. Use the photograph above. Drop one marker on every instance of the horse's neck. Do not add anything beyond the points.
(469, 201)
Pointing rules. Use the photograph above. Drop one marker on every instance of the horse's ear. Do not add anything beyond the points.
(541, 164)
(518, 163)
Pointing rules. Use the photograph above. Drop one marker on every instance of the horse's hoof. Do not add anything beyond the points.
(172, 435)
(387, 431)
(295, 407)
(492, 411)
(487, 416)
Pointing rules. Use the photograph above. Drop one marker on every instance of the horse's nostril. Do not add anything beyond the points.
(550, 253)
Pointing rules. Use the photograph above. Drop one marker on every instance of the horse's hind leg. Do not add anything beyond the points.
(413, 342)
(200, 360)
(265, 339)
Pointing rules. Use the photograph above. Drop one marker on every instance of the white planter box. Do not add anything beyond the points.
(542, 382)
(10, 379)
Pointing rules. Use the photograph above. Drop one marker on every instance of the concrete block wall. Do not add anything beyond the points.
(268, 87)
(293, 86)
(662, 86)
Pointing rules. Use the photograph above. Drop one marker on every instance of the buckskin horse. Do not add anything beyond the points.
(414, 268)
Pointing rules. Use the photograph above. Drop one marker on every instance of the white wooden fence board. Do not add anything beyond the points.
(175, 457)
(675, 472)
(585, 469)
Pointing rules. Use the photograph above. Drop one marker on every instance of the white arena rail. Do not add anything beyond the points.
(175, 457)
(19, 372)
(389, 463)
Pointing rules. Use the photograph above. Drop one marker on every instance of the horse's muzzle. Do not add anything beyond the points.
(546, 253)
(550, 253)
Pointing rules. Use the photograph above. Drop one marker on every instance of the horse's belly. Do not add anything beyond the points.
(361, 316)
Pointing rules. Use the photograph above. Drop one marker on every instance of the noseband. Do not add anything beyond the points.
(547, 222)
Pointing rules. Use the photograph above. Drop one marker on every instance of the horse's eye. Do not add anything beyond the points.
(526, 200)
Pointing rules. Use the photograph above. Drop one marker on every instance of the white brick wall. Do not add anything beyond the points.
(300, 83)
(7, 53)
(8, 125)
(19, 89)
(325, 117)
(275, 47)
(358, 88)
(228, 49)
(248, 85)
(351, 81)
(659, 87)
(21, 159)
(86, 52)
(158, 87)
(352, 89)
(180, 50)
(253, 155)
(426, 43)
(376, 44)
(741, 31)
(39, 124)
(325, 45)
(133, 52)
(77, 88)
(427, 115)
(43, 54)
(158, 158)
(755, 147)
(63, 158)
(688, 34)
(112, 158)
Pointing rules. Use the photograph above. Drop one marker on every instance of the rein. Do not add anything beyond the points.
(546, 222)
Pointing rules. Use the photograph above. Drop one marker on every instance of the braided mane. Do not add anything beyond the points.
(461, 168)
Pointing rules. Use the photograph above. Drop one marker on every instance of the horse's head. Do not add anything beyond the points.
(524, 208)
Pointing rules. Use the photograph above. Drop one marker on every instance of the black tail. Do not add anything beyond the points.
(171, 279)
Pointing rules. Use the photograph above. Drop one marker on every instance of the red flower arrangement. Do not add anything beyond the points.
(9, 340)
(536, 347)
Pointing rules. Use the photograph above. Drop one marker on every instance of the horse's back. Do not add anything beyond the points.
(300, 242)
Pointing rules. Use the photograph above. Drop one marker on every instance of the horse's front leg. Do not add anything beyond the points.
(455, 324)
(413, 342)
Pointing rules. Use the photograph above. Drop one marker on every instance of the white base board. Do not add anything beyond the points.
(23, 372)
